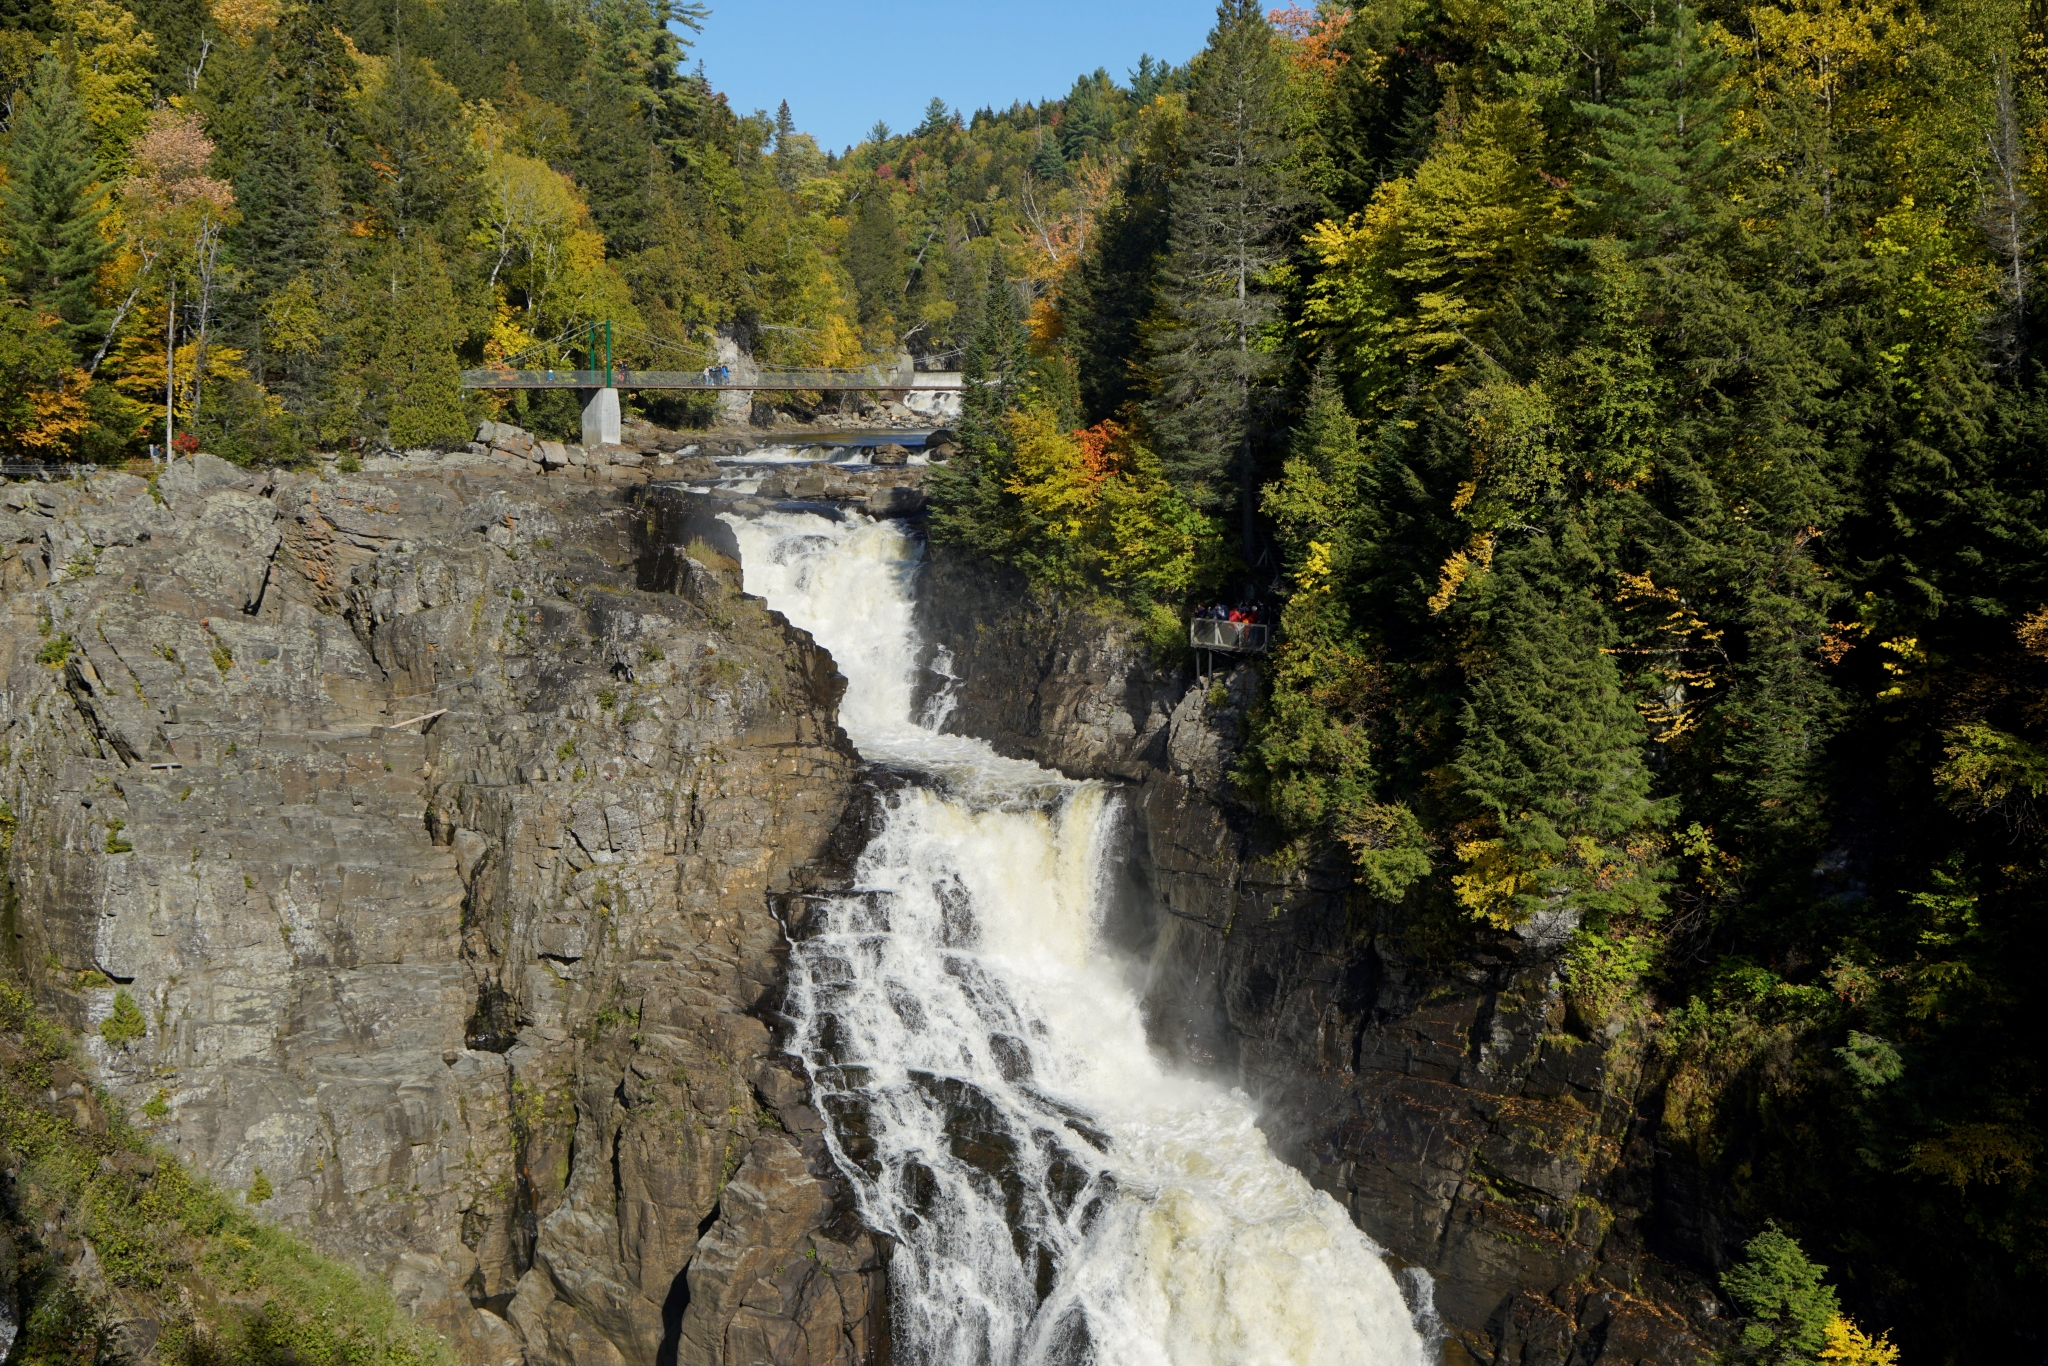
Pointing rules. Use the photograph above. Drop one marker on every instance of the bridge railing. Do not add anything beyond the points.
(1234, 637)
(623, 377)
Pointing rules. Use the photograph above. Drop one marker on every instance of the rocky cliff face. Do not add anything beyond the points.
(1469, 1116)
(433, 824)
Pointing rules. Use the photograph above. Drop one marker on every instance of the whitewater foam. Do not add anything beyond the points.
(1056, 1195)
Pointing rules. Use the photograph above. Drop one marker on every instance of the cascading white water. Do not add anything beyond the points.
(1057, 1197)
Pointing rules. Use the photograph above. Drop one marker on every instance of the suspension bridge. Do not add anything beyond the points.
(549, 365)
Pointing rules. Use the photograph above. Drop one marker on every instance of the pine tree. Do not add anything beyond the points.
(53, 209)
(971, 504)
(1660, 140)
(785, 129)
(874, 257)
(414, 172)
(284, 188)
(1235, 204)
(416, 359)
(1781, 1292)
(1551, 758)
(1107, 306)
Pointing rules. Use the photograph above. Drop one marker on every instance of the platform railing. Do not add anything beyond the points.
(1232, 637)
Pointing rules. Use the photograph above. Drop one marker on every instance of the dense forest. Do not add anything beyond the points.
(1636, 414)
(295, 223)
(1632, 411)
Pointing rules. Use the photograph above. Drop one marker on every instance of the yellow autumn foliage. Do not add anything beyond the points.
(1848, 1345)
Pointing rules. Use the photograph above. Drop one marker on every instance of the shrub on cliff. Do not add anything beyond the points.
(1789, 1306)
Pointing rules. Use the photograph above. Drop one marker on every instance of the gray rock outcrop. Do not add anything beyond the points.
(434, 824)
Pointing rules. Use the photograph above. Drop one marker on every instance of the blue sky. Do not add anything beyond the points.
(841, 66)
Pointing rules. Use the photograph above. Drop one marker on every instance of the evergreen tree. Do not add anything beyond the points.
(53, 209)
(1107, 306)
(284, 188)
(621, 171)
(414, 359)
(414, 173)
(1236, 201)
(1781, 1292)
(1090, 115)
(1660, 141)
(785, 129)
(1552, 754)
(874, 258)
(971, 502)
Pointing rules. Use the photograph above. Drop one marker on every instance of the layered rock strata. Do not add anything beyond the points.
(433, 824)
(1439, 1088)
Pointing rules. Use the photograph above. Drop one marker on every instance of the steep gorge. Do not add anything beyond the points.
(1448, 1094)
(492, 1003)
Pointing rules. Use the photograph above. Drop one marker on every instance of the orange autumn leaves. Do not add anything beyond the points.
(1101, 498)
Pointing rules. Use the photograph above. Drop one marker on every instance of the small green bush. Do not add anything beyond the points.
(223, 657)
(115, 844)
(259, 1188)
(125, 1024)
(55, 651)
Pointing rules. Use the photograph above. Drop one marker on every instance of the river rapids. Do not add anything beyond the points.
(1056, 1195)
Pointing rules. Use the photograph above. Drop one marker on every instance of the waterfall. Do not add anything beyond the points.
(1056, 1195)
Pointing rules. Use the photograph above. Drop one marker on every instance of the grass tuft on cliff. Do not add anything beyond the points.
(121, 1252)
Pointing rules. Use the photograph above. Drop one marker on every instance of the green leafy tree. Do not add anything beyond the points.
(53, 208)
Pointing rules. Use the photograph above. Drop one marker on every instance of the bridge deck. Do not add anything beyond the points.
(619, 377)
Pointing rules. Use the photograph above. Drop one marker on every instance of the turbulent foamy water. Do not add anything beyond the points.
(1057, 1196)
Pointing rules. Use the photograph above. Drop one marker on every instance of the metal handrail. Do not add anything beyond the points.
(622, 377)
(1235, 637)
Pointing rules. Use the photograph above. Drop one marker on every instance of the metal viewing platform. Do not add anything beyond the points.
(1211, 638)
(1229, 637)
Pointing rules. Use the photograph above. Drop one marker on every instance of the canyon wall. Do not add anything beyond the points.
(432, 823)
(1440, 1087)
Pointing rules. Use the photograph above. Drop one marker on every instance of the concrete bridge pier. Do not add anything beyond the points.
(601, 418)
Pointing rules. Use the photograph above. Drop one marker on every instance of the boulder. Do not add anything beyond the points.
(900, 500)
(889, 456)
(941, 436)
(940, 453)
